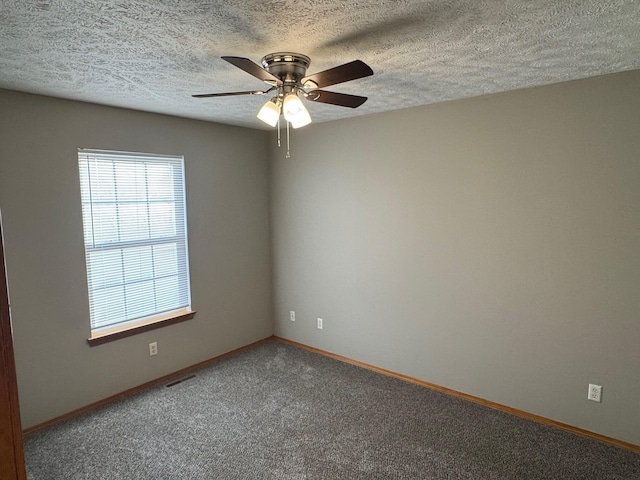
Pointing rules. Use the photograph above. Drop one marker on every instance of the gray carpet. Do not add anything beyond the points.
(279, 412)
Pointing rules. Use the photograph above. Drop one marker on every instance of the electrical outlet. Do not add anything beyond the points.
(320, 323)
(292, 316)
(595, 393)
(153, 349)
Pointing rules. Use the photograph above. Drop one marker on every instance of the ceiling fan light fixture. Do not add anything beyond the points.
(294, 111)
(286, 73)
(269, 113)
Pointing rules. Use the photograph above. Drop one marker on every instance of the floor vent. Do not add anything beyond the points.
(181, 380)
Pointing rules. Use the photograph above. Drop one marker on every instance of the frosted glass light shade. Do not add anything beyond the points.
(269, 113)
(294, 111)
(303, 118)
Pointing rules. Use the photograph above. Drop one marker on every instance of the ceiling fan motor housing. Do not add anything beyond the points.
(289, 67)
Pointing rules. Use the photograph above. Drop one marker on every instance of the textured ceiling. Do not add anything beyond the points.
(153, 54)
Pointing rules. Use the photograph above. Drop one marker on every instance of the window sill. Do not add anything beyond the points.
(141, 327)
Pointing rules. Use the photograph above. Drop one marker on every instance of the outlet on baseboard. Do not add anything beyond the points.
(153, 349)
(595, 393)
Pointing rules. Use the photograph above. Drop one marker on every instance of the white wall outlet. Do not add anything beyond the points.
(292, 316)
(595, 393)
(153, 349)
(320, 323)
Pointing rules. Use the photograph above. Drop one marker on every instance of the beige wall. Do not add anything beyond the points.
(489, 245)
(227, 207)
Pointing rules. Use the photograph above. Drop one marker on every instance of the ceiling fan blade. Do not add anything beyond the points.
(253, 69)
(231, 94)
(334, 98)
(342, 73)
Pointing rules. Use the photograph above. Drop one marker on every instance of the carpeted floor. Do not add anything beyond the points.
(279, 412)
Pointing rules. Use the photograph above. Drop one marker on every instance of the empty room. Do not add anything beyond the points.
(332, 239)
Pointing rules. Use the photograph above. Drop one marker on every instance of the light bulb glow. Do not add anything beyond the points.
(295, 112)
(269, 113)
(291, 107)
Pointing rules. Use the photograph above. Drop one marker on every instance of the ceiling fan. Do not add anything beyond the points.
(285, 72)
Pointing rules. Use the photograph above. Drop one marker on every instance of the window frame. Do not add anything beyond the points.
(132, 325)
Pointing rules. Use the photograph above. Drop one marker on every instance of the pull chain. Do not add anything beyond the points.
(278, 131)
(288, 152)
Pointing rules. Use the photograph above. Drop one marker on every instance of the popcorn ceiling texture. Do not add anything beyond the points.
(152, 55)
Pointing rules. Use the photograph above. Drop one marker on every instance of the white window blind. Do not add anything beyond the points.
(134, 216)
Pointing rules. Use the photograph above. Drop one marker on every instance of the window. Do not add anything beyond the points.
(135, 236)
